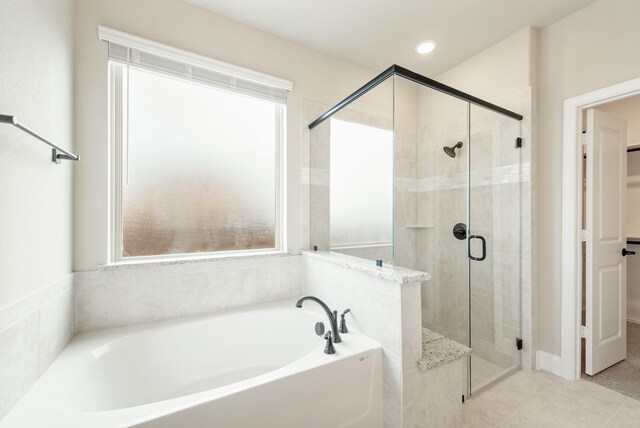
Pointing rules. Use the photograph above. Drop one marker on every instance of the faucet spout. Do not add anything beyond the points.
(333, 316)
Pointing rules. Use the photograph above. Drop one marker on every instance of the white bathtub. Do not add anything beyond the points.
(258, 367)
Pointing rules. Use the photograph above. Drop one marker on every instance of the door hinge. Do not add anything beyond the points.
(585, 235)
(518, 343)
(463, 398)
(518, 142)
(585, 332)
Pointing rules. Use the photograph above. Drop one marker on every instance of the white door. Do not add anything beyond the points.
(606, 274)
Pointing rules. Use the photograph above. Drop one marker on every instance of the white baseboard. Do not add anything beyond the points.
(549, 362)
(553, 363)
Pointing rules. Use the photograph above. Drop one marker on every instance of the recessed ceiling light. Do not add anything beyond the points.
(425, 47)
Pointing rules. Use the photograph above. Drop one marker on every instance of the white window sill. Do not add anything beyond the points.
(208, 258)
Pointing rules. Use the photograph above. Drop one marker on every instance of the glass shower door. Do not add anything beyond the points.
(494, 246)
(457, 210)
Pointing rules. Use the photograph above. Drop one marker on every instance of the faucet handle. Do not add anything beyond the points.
(329, 348)
(343, 323)
(319, 328)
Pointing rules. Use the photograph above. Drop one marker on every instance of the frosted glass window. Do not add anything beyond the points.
(198, 168)
(361, 180)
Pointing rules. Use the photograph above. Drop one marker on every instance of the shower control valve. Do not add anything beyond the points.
(460, 231)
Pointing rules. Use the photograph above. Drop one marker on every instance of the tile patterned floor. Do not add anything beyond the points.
(541, 399)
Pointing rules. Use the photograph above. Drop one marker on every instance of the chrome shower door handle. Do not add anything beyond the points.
(484, 248)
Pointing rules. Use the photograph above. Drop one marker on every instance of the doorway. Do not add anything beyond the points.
(610, 334)
(594, 232)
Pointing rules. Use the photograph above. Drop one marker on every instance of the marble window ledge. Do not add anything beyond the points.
(438, 350)
(193, 259)
(387, 272)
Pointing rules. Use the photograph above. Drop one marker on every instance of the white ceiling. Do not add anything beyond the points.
(378, 33)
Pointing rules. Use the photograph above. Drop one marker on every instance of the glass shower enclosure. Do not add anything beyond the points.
(417, 174)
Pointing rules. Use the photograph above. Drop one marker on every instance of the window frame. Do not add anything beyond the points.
(117, 147)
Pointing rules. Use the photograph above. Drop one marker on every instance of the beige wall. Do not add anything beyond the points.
(317, 77)
(593, 48)
(36, 64)
(498, 71)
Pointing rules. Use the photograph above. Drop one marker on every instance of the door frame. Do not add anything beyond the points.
(572, 172)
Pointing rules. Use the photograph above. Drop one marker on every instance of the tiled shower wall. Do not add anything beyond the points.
(431, 197)
(441, 195)
(500, 211)
(406, 225)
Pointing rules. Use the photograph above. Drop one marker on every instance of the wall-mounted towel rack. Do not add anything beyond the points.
(58, 154)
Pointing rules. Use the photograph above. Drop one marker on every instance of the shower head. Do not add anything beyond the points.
(451, 151)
